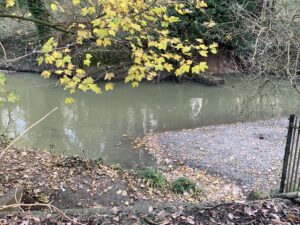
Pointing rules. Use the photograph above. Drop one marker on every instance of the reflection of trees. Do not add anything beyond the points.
(196, 105)
(263, 99)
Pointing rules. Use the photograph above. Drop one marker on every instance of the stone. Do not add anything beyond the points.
(258, 195)
(11, 197)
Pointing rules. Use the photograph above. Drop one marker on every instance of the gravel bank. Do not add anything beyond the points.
(249, 153)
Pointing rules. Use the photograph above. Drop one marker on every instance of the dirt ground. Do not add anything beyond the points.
(76, 182)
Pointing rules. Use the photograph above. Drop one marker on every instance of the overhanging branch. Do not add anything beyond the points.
(54, 26)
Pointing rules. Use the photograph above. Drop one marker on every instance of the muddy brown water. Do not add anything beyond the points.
(104, 126)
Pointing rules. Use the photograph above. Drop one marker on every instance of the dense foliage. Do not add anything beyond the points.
(221, 22)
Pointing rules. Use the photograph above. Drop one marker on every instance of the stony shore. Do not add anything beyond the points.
(249, 153)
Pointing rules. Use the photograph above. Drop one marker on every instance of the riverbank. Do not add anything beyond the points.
(88, 192)
(77, 182)
(249, 154)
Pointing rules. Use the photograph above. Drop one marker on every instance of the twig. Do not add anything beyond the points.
(32, 53)
(4, 52)
(25, 131)
(19, 58)
(49, 206)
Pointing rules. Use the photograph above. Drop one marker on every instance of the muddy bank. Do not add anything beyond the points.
(250, 154)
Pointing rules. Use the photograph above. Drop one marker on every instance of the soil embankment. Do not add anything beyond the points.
(101, 194)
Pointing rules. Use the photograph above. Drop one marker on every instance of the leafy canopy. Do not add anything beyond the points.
(144, 26)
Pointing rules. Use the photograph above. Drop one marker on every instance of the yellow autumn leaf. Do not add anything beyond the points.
(109, 86)
(213, 45)
(106, 42)
(135, 84)
(40, 60)
(184, 68)
(201, 4)
(88, 56)
(87, 62)
(69, 101)
(53, 7)
(57, 55)
(213, 51)
(168, 67)
(203, 53)
(10, 3)
(75, 2)
(82, 26)
(209, 24)
(46, 74)
(95, 88)
(80, 72)
(109, 76)
(67, 59)
(201, 67)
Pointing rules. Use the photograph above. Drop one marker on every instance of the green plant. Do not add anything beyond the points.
(183, 184)
(116, 166)
(154, 177)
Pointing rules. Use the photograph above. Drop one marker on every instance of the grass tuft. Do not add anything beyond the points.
(182, 185)
(154, 177)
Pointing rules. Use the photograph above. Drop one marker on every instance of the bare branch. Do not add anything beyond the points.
(58, 27)
(4, 51)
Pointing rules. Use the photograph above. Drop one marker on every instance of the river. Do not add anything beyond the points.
(103, 126)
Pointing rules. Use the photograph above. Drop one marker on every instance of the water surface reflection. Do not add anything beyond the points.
(104, 125)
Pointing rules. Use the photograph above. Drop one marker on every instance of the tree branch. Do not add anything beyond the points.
(54, 26)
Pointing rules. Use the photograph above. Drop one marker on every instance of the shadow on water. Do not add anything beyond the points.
(105, 125)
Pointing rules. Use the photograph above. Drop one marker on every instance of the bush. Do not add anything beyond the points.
(183, 184)
(154, 177)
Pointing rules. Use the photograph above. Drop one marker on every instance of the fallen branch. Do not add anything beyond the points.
(49, 206)
(25, 131)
